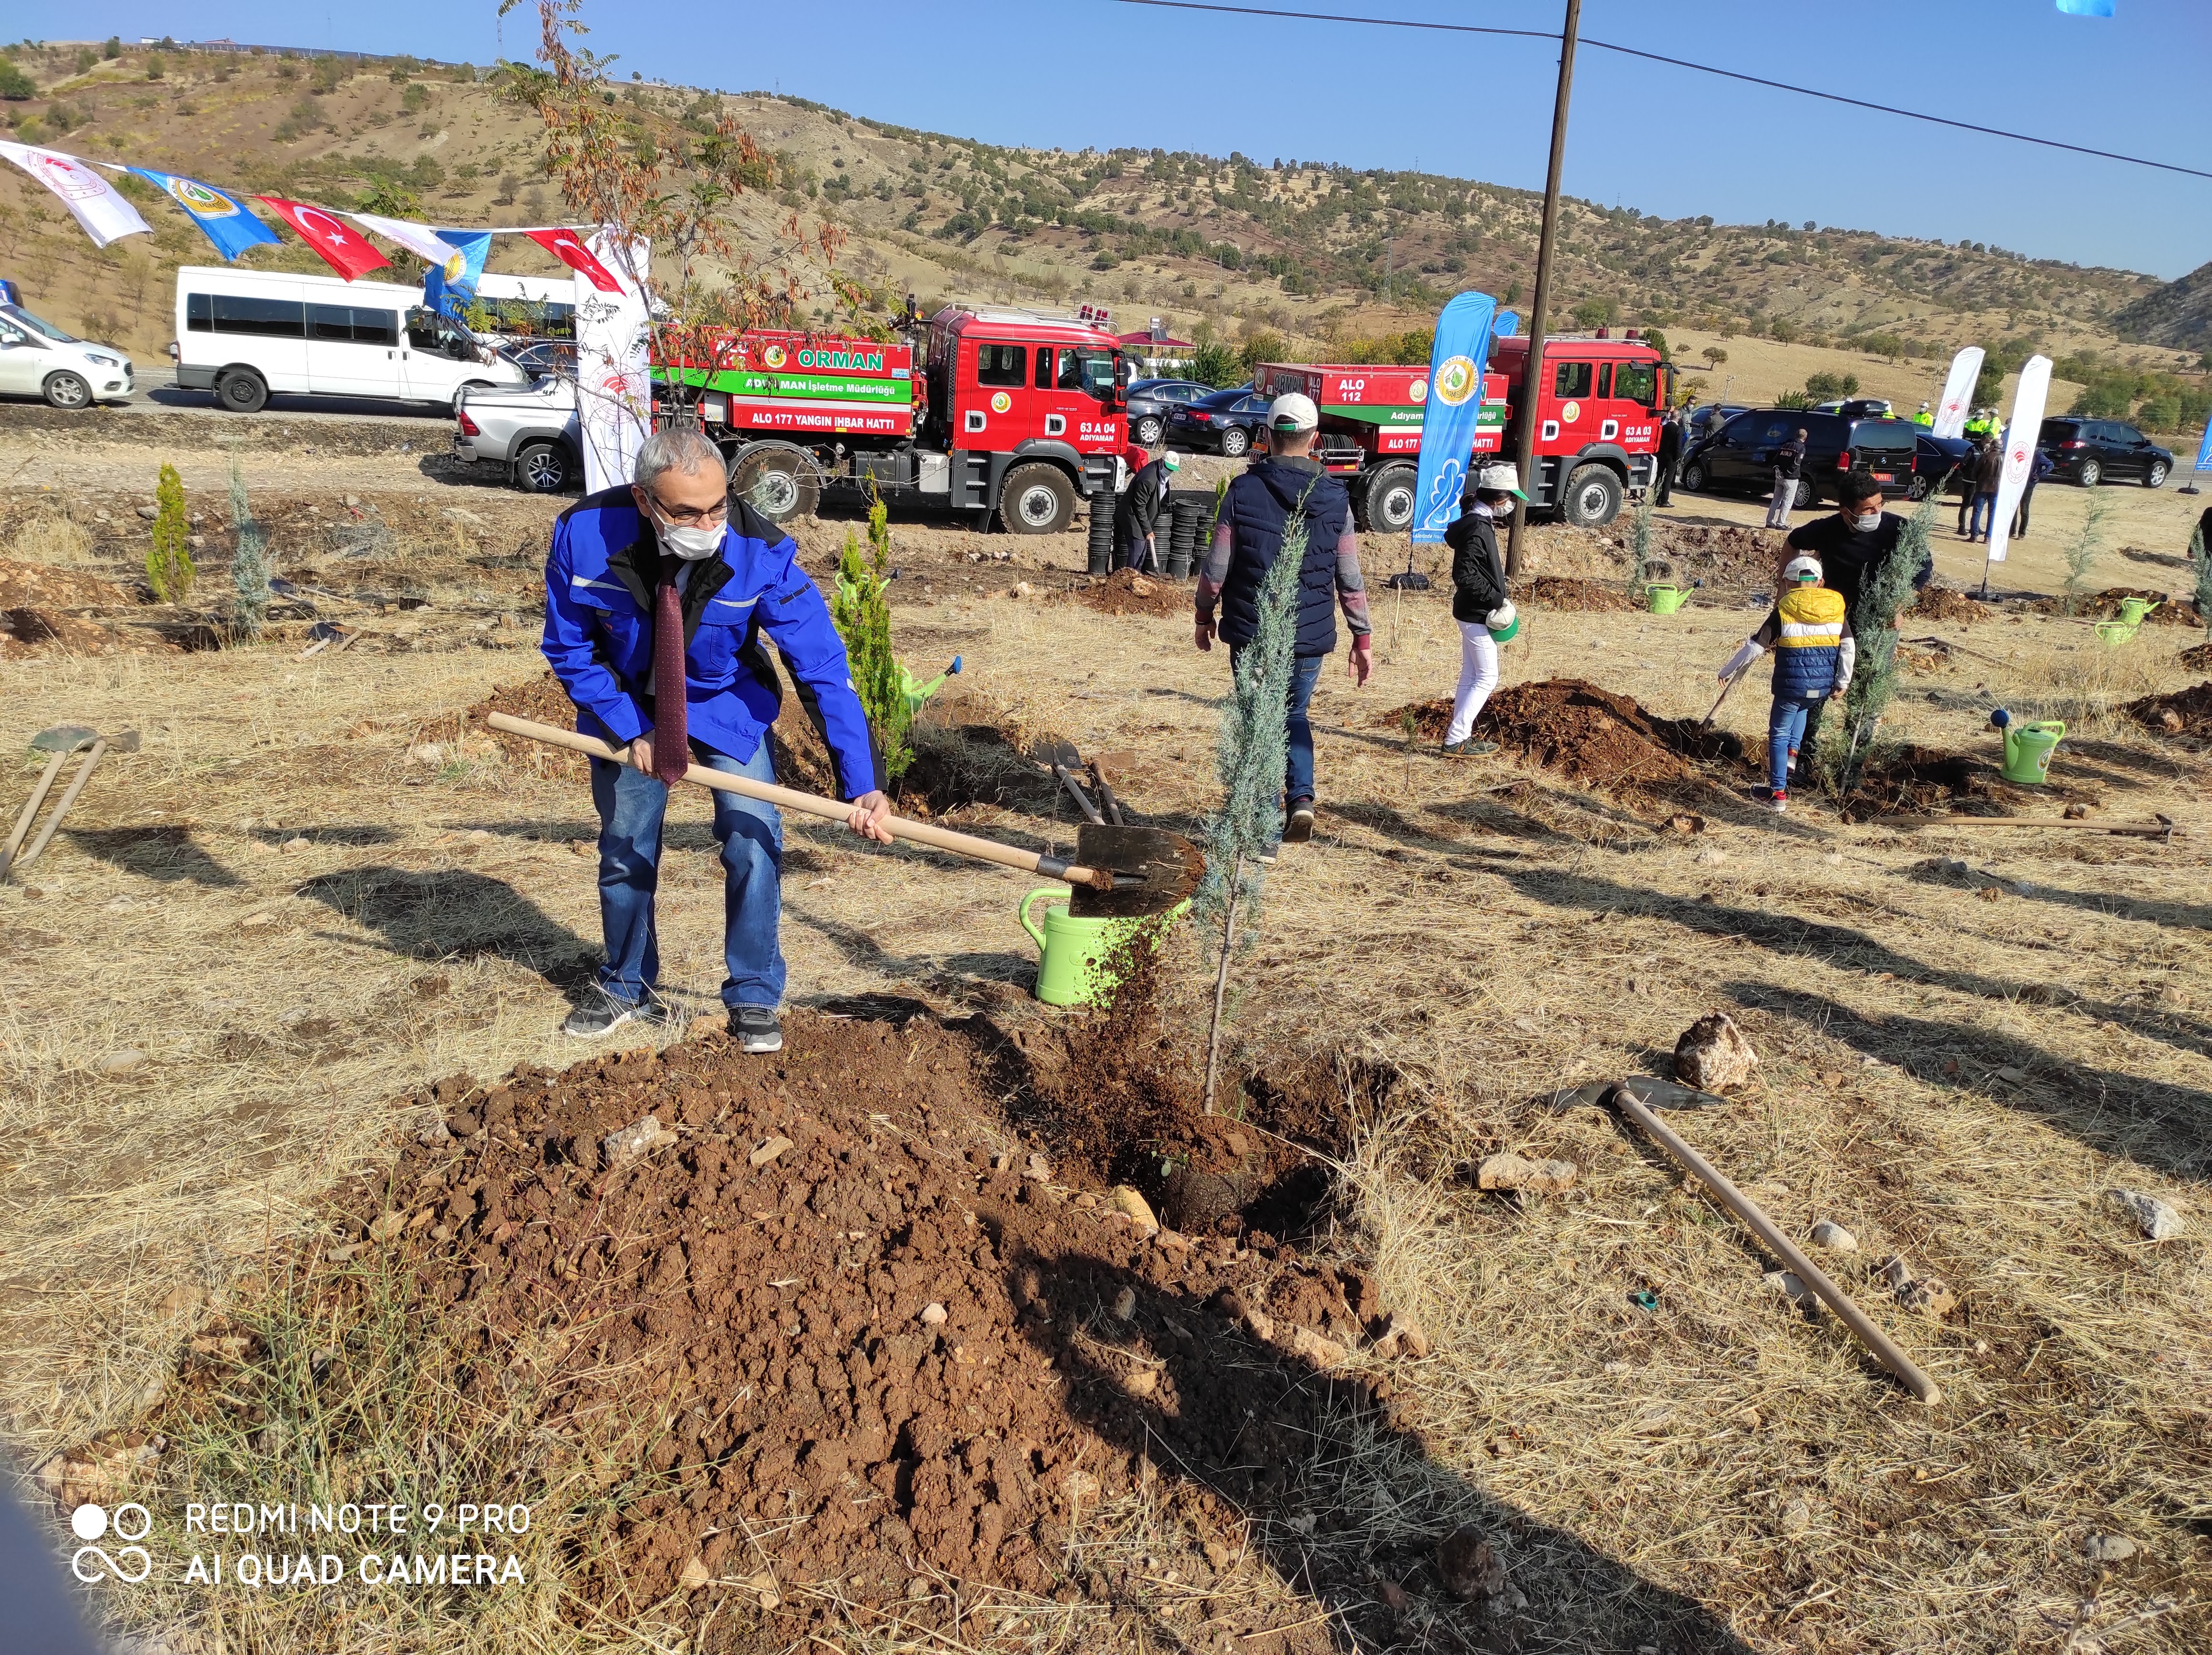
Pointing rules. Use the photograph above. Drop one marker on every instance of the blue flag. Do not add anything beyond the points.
(1506, 326)
(2205, 452)
(1456, 364)
(2086, 8)
(223, 217)
(446, 289)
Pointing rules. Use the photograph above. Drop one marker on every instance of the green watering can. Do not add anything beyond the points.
(2133, 609)
(916, 694)
(2113, 633)
(2027, 749)
(1665, 598)
(1072, 954)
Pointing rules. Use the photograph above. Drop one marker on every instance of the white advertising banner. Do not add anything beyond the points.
(614, 387)
(92, 200)
(1958, 391)
(2021, 432)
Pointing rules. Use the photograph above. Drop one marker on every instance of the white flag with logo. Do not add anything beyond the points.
(1958, 393)
(2021, 432)
(614, 387)
(95, 204)
(419, 240)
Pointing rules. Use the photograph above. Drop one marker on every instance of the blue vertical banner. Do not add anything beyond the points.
(2204, 450)
(1456, 364)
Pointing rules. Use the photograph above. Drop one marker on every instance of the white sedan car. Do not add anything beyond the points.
(37, 359)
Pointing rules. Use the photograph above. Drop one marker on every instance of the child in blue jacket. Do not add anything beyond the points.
(1809, 630)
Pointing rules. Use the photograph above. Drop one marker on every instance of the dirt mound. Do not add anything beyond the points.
(2106, 606)
(863, 1333)
(1728, 558)
(1593, 736)
(2182, 713)
(1929, 781)
(2197, 657)
(1127, 592)
(1429, 718)
(38, 586)
(1941, 604)
(31, 632)
(1565, 592)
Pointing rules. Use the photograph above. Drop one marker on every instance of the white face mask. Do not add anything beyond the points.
(687, 544)
(1869, 523)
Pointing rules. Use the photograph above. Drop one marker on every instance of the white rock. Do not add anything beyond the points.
(1790, 1286)
(769, 1151)
(638, 1138)
(933, 1315)
(1127, 1202)
(1511, 1172)
(1797, 1515)
(122, 1062)
(1834, 1237)
(1125, 1304)
(294, 845)
(2110, 1548)
(2159, 1220)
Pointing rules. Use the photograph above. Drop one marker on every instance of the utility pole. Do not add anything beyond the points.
(1526, 456)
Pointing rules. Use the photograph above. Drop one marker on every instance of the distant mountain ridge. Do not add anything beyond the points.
(2178, 315)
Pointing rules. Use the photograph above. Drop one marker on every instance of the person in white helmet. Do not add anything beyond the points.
(1478, 602)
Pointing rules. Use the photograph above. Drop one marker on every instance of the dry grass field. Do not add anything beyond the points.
(314, 892)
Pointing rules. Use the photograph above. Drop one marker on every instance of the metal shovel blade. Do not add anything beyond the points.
(1153, 871)
(64, 738)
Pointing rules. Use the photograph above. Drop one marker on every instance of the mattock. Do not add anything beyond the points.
(60, 740)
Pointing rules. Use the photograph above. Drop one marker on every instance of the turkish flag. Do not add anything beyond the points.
(344, 248)
(564, 246)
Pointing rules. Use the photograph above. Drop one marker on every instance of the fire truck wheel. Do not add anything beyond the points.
(776, 479)
(1036, 499)
(1591, 498)
(1387, 507)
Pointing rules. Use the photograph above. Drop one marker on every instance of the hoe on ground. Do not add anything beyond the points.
(59, 741)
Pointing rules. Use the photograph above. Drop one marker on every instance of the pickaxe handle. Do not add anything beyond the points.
(1884, 1348)
(813, 805)
(1722, 696)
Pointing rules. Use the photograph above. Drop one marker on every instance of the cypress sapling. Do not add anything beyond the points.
(169, 568)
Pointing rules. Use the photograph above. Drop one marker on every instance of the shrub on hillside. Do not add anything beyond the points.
(169, 568)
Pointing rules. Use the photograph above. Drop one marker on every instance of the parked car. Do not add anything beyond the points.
(37, 359)
(243, 334)
(1857, 407)
(1708, 419)
(1937, 459)
(1742, 456)
(532, 432)
(1151, 402)
(2090, 451)
(1221, 422)
(539, 357)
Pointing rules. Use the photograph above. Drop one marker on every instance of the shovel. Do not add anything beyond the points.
(1637, 1097)
(1119, 873)
(1063, 760)
(60, 740)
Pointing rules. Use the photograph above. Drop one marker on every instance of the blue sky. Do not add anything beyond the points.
(1090, 72)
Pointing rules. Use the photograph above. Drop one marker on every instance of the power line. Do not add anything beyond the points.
(1677, 63)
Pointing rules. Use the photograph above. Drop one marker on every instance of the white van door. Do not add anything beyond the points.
(438, 358)
(354, 351)
(22, 363)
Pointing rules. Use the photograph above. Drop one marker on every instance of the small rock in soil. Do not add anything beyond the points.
(695, 1575)
(122, 1062)
(1930, 1296)
(638, 1138)
(1797, 1515)
(1470, 1569)
(1834, 1237)
(1125, 1304)
(1713, 1054)
(1518, 1173)
(293, 845)
(1897, 1273)
(1790, 1286)
(1140, 1382)
(2158, 1220)
(769, 1151)
(1322, 1352)
(1136, 1208)
(2110, 1548)
(933, 1315)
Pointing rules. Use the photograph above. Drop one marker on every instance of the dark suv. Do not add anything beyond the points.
(1741, 457)
(2090, 451)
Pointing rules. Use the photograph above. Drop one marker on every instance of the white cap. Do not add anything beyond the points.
(1293, 412)
(1802, 568)
(1500, 477)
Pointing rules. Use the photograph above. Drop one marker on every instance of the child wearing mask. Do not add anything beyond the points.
(1809, 630)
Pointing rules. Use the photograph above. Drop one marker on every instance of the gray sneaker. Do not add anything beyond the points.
(1300, 826)
(604, 1014)
(755, 1028)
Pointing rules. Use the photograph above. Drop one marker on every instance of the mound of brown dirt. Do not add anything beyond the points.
(1565, 592)
(1127, 592)
(1729, 558)
(863, 1333)
(2197, 657)
(1941, 604)
(1431, 719)
(1927, 781)
(32, 632)
(2106, 606)
(1593, 736)
(2182, 713)
(36, 587)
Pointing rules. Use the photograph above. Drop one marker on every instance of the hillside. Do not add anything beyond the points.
(1314, 252)
(2178, 315)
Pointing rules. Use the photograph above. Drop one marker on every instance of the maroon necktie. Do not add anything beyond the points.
(671, 749)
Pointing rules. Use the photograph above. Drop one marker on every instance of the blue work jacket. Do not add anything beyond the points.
(600, 576)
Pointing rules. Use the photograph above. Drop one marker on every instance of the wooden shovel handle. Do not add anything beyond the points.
(813, 805)
(1788, 1251)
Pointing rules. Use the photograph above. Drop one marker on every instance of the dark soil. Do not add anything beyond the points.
(2191, 706)
(2197, 657)
(768, 1319)
(1595, 737)
(1726, 559)
(2106, 606)
(1127, 592)
(1925, 780)
(1565, 592)
(1941, 604)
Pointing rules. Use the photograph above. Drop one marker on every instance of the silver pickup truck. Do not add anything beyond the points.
(532, 431)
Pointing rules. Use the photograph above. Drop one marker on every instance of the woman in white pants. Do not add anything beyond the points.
(1479, 599)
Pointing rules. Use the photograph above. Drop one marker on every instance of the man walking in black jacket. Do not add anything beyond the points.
(1669, 457)
(1479, 602)
(1788, 459)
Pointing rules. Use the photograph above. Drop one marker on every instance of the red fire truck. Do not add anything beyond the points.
(1598, 412)
(987, 409)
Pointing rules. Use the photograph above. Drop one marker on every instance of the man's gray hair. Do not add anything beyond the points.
(682, 448)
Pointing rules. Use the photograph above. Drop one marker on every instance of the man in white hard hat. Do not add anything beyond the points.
(1256, 516)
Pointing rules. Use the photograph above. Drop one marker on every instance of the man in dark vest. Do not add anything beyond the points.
(1255, 518)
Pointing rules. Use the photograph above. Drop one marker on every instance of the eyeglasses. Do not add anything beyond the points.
(704, 516)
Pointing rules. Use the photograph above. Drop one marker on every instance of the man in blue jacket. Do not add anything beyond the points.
(671, 569)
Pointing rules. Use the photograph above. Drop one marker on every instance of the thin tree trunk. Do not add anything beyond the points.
(1221, 979)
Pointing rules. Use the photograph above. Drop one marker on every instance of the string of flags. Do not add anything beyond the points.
(456, 257)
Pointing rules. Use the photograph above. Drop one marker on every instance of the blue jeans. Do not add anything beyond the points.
(1982, 516)
(1305, 671)
(631, 806)
(1789, 725)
